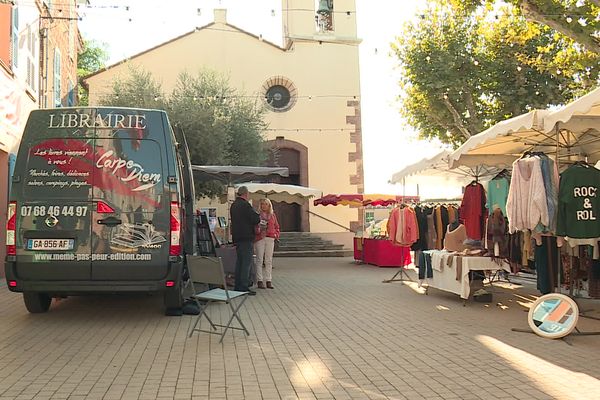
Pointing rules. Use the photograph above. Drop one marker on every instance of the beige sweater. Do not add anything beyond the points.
(526, 204)
(454, 240)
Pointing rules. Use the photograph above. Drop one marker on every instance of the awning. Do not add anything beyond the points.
(577, 128)
(282, 193)
(573, 130)
(230, 174)
(436, 170)
(359, 200)
(503, 143)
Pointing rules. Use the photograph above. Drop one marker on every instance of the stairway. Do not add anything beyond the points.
(302, 244)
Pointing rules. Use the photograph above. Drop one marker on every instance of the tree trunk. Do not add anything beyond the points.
(533, 13)
(456, 117)
(475, 124)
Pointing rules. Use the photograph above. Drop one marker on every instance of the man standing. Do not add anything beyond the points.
(243, 221)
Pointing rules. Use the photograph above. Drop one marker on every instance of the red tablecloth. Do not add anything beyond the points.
(382, 253)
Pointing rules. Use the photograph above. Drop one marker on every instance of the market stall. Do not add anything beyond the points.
(451, 271)
(454, 232)
(371, 245)
(566, 140)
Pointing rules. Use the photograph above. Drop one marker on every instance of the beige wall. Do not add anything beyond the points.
(316, 70)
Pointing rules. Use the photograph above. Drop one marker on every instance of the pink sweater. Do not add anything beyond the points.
(526, 204)
(402, 226)
(272, 230)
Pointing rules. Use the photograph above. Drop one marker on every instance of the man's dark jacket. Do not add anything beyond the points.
(243, 221)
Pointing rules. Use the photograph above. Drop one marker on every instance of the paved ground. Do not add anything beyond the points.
(330, 330)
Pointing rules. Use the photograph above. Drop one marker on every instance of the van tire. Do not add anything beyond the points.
(173, 299)
(36, 302)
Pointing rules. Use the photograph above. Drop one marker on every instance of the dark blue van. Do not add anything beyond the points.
(97, 204)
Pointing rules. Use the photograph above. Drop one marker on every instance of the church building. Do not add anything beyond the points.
(309, 84)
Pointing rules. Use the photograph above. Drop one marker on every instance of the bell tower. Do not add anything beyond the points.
(319, 20)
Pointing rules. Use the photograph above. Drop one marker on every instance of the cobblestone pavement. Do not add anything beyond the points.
(330, 330)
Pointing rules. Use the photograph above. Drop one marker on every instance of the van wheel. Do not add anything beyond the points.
(173, 299)
(36, 302)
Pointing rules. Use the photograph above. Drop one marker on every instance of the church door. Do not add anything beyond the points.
(289, 215)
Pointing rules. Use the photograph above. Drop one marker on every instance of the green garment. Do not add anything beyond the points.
(497, 194)
(579, 203)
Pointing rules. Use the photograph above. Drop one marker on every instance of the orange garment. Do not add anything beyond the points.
(392, 224)
(402, 226)
(411, 226)
(408, 229)
(451, 214)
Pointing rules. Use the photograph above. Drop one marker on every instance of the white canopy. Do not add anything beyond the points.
(433, 165)
(584, 108)
(235, 173)
(436, 170)
(577, 128)
(283, 193)
(573, 130)
(503, 143)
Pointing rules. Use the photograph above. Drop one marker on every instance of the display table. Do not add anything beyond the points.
(381, 252)
(445, 274)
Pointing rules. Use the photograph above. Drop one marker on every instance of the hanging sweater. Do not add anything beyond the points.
(454, 240)
(579, 203)
(472, 210)
(497, 194)
(526, 204)
(407, 231)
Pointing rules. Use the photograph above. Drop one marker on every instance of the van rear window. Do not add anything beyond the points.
(128, 172)
(125, 171)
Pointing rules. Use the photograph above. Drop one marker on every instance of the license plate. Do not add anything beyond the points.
(50, 244)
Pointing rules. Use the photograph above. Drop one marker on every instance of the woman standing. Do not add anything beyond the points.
(267, 231)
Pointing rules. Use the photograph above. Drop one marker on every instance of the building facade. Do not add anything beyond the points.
(310, 86)
(30, 31)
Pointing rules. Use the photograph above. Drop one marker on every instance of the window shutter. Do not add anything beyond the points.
(15, 37)
(71, 95)
(57, 80)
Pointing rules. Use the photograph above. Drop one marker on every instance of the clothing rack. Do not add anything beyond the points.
(558, 288)
(401, 271)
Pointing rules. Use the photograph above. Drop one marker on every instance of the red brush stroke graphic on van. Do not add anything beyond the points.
(76, 158)
(136, 134)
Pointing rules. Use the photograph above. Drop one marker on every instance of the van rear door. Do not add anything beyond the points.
(131, 220)
(51, 189)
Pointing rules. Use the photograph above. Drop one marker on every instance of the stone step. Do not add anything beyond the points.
(288, 247)
(305, 242)
(315, 253)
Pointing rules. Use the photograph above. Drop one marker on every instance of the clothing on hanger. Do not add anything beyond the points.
(526, 204)
(472, 210)
(579, 203)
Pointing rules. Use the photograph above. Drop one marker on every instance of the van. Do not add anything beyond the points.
(97, 204)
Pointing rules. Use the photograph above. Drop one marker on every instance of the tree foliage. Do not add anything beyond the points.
(576, 19)
(92, 58)
(465, 69)
(221, 125)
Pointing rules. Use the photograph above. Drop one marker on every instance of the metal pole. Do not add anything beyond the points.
(558, 261)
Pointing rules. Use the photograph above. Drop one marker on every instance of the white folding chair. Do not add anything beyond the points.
(209, 270)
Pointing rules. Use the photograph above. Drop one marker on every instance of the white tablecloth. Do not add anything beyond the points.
(444, 275)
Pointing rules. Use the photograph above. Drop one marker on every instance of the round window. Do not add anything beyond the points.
(280, 93)
(278, 97)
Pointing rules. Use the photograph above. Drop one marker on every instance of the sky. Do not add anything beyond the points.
(388, 143)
